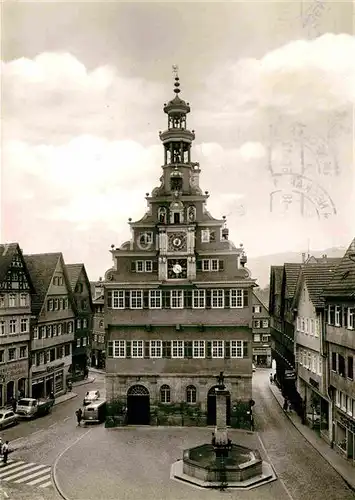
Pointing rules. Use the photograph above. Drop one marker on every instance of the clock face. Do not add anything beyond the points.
(145, 240)
(176, 242)
(177, 268)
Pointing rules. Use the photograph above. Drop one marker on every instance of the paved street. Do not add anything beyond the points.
(133, 463)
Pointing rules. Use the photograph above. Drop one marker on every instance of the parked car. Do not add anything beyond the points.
(7, 418)
(90, 397)
(30, 407)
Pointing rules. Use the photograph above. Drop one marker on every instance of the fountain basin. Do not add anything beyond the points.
(241, 464)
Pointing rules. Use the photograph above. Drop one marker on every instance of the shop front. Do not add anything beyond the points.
(262, 356)
(345, 435)
(13, 381)
(48, 380)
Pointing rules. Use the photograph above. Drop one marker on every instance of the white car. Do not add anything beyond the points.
(7, 418)
(90, 397)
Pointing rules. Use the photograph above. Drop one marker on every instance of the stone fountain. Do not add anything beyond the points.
(222, 464)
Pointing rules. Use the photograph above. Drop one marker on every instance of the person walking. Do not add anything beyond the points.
(285, 405)
(271, 378)
(5, 451)
(79, 415)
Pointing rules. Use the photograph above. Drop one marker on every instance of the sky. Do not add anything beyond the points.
(271, 88)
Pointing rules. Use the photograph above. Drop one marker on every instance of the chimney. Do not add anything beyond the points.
(303, 257)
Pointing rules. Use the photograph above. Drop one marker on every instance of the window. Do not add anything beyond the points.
(2, 356)
(265, 323)
(165, 394)
(60, 352)
(35, 332)
(84, 341)
(217, 349)
(256, 309)
(136, 299)
(12, 354)
(316, 328)
(139, 266)
(257, 337)
(77, 342)
(217, 298)
(265, 338)
(23, 300)
(191, 394)
(257, 323)
(306, 325)
(118, 299)
(23, 352)
(341, 365)
(351, 322)
(334, 361)
(2, 327)
(137, 349)
(311, 326)
(13, 325)
(214, 265)
(198, 350)
(148, 266)
(177, 349)
(59, 329)
(52, 355)
(177, 299)
(205, 264)
(199, 299)
(70, 327)
(67, 349)
(236, 348)
(119, 349)
(54, 330)
(302, 324)
(337, 316)
(155, 349)
(24, 325)
(12, 300)
(50, 331)
(236, 298)
(205, 236)
(350, 370)
(349, 405)
(320, 365)
(85, 323)
(155, 299)
(56, 304)
(337, 397)
(2, 300)
(78, 324)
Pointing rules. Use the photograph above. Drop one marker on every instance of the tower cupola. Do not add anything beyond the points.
(177, 138)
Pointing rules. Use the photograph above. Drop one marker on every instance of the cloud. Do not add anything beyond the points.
(301, 76)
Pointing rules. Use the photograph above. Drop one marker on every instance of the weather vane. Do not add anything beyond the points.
(175, 70)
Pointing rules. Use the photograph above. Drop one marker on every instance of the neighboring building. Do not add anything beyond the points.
(81, 290)
(15, 314)
(98, 341)
(340, 338)
(310, 349)
(52, 329)
(178, 301)
(261, 332)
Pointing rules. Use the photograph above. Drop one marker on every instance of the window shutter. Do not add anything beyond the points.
(188, 349)
(128, 348)
(221, 265)
(188, 298)
(109, 298)
(146, 348)
(110, 349)
(133, 266)
(155, 266)
(208, 299)
(208, 349)
(199, 265)
(345, 311)
(245, 298)
(227, 349)
(245, 348)
(127, 297)
(145, 299)
(226, 298)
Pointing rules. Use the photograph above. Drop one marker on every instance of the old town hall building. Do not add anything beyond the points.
(178, 298)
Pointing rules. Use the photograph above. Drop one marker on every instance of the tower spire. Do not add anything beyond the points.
(177, 89)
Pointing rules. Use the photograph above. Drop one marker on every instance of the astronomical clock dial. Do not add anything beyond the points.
(177, 268)
(145, 240)
(176, 242)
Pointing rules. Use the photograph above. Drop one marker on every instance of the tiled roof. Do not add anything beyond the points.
(73, 271)
(342, 283)
(291, 273)
(7, 252)
(317, 276)
(41, 268)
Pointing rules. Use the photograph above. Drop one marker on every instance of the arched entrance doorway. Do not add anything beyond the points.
(10, 391)
(138, 405)
(21, 388)
(211, 406)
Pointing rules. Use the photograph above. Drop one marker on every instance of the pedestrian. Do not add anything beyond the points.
(285, 406)
(13, 404)
(271, 379)
(79, 415)
(5, 451)
(86, 372)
